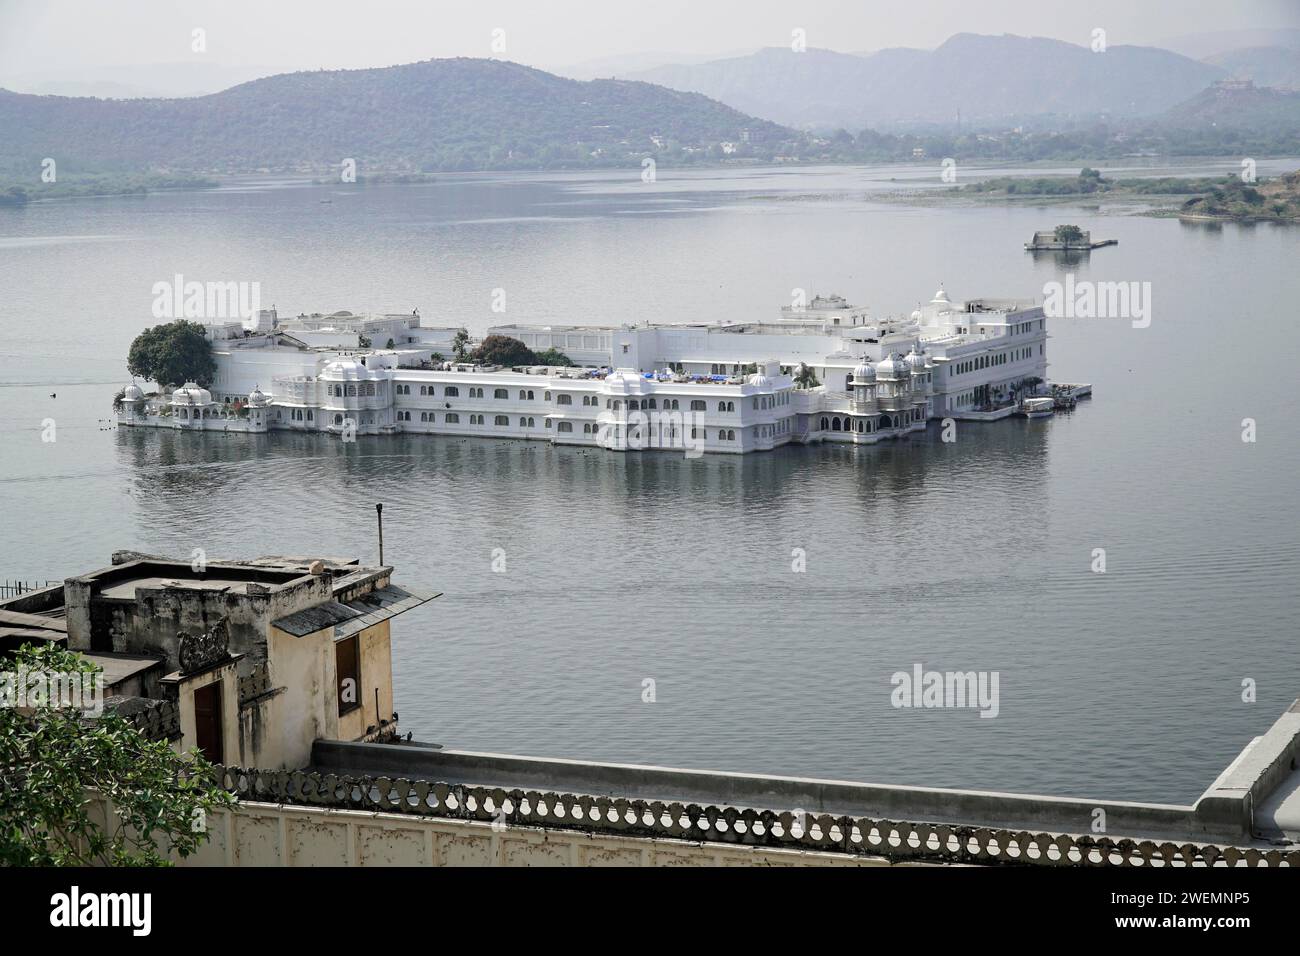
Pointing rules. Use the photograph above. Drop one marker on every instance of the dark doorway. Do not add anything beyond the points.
(207, 721)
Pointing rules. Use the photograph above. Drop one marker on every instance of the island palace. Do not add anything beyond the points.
(824, 372)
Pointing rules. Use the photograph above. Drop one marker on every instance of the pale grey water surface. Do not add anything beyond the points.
(970, 556)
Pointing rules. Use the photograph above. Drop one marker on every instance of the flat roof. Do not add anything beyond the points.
(119, 667)
(126, 590)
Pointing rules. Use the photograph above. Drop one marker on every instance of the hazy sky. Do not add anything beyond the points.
(52, 36)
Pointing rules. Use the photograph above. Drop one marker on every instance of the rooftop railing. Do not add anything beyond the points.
(895, 840)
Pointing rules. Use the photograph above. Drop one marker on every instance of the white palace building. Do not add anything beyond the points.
(723, 387)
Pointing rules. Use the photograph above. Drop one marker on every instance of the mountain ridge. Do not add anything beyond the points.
(824, 89)
(457, 113)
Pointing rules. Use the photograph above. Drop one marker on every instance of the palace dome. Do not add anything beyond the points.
(258, 397)
(759, 380)
(625, 381)
(864, 373)
(132, 393)
(941, 301)
(916, 360)
(345, 368)
(191, 394)
(891, 366)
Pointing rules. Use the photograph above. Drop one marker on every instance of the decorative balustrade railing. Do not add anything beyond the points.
(897, 841)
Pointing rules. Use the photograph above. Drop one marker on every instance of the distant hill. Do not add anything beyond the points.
(435, 115)
(1237, 106)
(1266, 65)
(989, 79)
(1202, 45)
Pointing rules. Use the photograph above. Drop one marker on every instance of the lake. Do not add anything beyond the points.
(973, 555)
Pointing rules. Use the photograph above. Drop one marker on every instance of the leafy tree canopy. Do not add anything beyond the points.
(50, 755)
(503, 350)
(460, 344)
(806, 377)
(552, 357)
(172, 354)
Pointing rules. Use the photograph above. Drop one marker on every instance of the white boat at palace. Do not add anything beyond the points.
(1038, 407)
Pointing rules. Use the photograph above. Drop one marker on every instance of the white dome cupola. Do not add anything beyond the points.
(191, 394)
(341, 369)
(891, 366)
(864, 374)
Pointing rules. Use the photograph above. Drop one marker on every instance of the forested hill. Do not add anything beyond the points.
(435, 115)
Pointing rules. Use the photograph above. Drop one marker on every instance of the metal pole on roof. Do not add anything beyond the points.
(379, 511)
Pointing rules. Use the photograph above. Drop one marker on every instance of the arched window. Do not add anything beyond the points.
(503, 420)
(451, 391)
(565, 427)
(452, 418)
(698, 406)
(835, 424)
(564, 400)
(501, 393)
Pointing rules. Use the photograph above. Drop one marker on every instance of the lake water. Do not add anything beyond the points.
(967, 556)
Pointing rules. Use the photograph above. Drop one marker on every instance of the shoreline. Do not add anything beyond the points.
(906, 192)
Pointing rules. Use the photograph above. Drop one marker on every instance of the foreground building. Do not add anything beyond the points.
(827, 372)
(250, 662)
(270, 667)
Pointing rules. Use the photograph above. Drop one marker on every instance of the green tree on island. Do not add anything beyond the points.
(552, 357)
(172, 354)
(52, 755)
(503, 350)
(806, 377)
(1068, 234)
(460, 344)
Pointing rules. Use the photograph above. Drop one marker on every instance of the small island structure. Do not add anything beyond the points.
(1066, 238)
